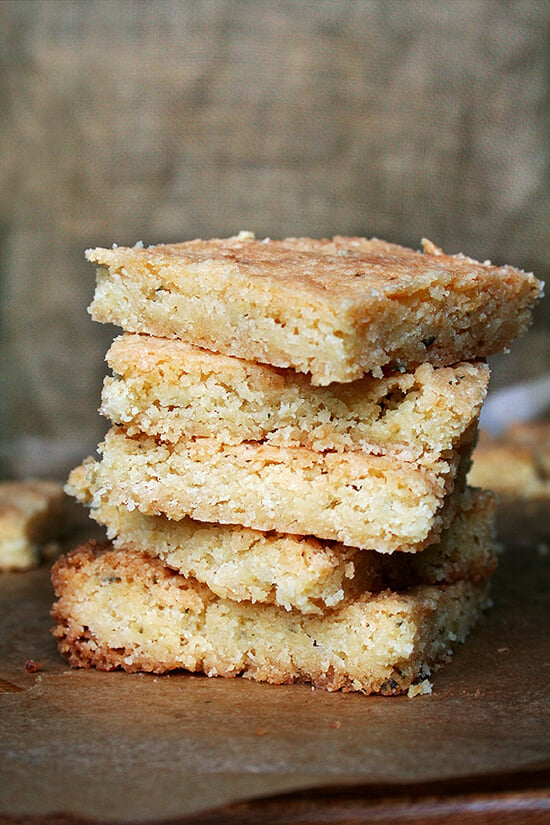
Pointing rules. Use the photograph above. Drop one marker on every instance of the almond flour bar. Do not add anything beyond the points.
(297, 572)
(33, 512)
(335, 309)
(363, 500)
(516, 465)
(168, 388)
(120, 609)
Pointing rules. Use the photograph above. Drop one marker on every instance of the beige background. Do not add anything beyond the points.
(162, 120)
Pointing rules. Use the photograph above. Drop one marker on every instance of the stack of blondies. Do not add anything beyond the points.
(283, 485)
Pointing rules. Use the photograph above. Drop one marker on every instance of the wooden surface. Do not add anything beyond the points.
(86, 745)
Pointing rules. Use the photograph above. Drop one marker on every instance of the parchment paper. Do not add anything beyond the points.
(137, 748)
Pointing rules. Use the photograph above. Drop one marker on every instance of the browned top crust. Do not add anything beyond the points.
(346, 269)
(336, 309)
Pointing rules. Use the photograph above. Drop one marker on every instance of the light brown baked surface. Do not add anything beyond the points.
(336, 309)
(120, 609)
(296, 572)
(168, 388)
(33, 512)
(366, 501)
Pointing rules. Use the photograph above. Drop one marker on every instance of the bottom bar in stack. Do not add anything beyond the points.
(124, 608)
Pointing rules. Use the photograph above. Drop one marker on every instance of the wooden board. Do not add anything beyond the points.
(142, 748)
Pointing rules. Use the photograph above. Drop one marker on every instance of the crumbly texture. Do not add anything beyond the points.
(336, 309)
(33, 512)
(517, 464)
(120, 609)
(467, 549)
(366, 501)
(296, 572)
(167, 388)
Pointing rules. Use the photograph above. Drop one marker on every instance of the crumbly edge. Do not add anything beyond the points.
(120, 610)
(169, 389)
(297, 572)
(360, 500)
(468, 549)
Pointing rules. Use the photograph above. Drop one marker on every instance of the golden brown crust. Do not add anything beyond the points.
(346, 268)
(336, 309)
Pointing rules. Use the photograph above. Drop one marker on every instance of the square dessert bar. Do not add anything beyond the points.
(167, 388)
(121, 609)
(297, 572)
(359, 499)
(335, 309)
(517, 463)
(33, 512)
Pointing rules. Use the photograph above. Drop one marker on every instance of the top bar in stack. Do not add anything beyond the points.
(335, 309)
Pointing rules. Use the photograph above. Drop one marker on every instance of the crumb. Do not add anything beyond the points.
(260, 732)
(503, 650)
(33, 667)
(423, 687)
(335, 724)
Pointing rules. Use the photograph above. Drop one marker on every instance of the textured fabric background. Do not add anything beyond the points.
(164, 120)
